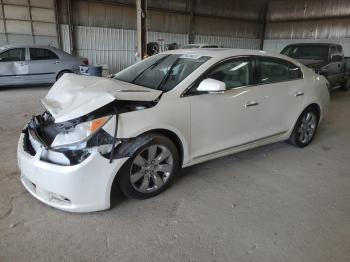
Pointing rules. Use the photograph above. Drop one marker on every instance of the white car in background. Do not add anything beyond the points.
(30, 65)
(190, 46)
(172, 110)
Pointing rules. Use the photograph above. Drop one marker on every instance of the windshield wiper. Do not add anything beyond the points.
(148, 68)
(166, 77)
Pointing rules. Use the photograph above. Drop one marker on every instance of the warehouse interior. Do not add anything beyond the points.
(272, 203)
(106, 30)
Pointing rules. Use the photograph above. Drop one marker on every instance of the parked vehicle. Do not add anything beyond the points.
(172, 110)
(190, 46)
(27, 65)
(325, 59)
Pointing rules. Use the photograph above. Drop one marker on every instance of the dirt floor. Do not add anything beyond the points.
(274, 203)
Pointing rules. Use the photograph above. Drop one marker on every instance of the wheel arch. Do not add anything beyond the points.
(165, 132)
(174, 138)
(63, 71)
(313, 105)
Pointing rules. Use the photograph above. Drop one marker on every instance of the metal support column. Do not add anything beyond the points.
(31, 20)
(58, 29)
(141, 10)
(4, 21)
(264, 14)
(190, 22)
(71, 27)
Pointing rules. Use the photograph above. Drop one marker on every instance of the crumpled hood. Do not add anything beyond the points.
(74, 95)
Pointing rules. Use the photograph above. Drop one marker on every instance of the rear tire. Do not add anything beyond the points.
(150, 170)
(305, 128)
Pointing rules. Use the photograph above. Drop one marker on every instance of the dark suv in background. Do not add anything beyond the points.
(325, 59)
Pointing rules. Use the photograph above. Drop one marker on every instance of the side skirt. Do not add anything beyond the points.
(239, 148)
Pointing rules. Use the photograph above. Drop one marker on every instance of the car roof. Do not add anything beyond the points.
(325, 44)
(227, 52)
(201, 44)
(26, 46)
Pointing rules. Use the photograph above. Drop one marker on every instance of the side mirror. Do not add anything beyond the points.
(212, 86)
(336, 58)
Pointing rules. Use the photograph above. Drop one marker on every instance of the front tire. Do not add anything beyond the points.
(305, 128)
(151, 169)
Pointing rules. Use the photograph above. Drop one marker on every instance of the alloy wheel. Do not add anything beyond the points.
(307, 127)
(151, 168)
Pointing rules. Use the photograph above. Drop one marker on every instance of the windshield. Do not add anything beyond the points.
(307, 52)
(163, 71)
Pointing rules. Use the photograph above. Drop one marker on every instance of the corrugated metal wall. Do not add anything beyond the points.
(105, 31)
(116, 48)
(31, 22)
(307, 21)
(232, 42)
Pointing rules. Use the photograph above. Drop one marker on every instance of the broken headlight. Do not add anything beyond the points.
(77, 136)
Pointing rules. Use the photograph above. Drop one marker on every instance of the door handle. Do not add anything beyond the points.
(299, 94)
(56, 62)
(252, 103)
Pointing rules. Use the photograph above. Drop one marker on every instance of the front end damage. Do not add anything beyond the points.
(70, 154)
(67, 144)
(71, 165)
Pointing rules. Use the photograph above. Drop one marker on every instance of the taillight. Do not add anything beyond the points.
(85, 61)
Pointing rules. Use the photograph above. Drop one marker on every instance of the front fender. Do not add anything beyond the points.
(140, 137)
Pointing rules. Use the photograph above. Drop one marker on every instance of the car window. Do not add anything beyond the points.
(234, 73)
(333, 50)
(162, 72)
(16, 54)
(41, 54)
(339, 49)
(276, 70)
(307, 52)
(336, 58)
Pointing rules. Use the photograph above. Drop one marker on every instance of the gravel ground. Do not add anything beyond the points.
(274, 203)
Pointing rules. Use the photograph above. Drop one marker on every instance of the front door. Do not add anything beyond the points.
(224, 120)
(13, 67)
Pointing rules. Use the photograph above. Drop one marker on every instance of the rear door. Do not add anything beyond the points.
(282, 91)
(44, 64)
(13, 66)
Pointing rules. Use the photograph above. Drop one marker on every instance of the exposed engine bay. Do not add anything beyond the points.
(42, 133)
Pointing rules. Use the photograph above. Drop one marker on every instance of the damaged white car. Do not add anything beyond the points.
(169, 111)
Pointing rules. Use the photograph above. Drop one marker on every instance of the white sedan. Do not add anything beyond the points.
(169, 111)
